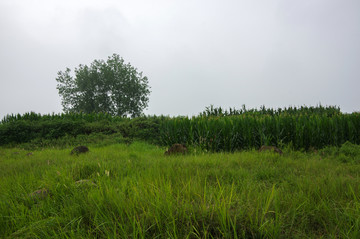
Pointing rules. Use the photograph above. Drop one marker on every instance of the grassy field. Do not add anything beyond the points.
(134, 191)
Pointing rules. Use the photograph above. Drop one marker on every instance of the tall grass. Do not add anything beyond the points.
(140, 193)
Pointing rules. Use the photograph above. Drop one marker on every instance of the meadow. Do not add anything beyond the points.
(131, 190)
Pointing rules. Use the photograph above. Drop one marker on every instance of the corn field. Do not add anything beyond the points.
(231, 133)
(309, 110)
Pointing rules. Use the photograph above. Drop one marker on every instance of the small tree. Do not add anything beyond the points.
(110, 87)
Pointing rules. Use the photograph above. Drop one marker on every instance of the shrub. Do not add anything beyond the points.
(351, 150)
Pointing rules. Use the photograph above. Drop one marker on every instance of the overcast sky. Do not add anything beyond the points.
(276, 53)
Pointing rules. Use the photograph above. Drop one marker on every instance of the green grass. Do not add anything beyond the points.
(140, 193)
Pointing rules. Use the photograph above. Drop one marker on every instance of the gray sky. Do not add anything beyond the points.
(194, 52)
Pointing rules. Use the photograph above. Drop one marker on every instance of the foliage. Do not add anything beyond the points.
(347, 152)
(34, 117)
(93, 139)
(318, 110)
(351, 150)
(231, 133)
(23, 131)
(299, 129)
(111, 87)
(59, 129)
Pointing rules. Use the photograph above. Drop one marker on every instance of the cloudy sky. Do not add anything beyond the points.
(276, 53)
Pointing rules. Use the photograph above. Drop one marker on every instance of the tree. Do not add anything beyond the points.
(110, 87)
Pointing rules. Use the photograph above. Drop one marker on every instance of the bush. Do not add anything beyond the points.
(350, 150)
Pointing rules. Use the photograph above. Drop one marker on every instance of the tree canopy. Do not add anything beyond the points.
(110, 87)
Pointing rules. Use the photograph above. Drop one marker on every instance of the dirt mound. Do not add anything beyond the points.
(270, 148)
(177, 149)
(39, 194)
(79, 149)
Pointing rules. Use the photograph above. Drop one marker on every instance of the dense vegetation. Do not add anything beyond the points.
(134, 191)
(123, 188)
(319, 110)
(71, 128)
(212, 130)
(232, 133)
